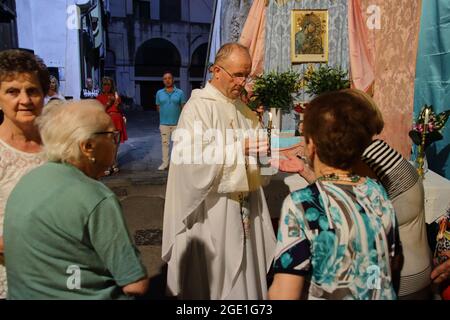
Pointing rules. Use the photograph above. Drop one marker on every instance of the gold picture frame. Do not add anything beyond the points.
(309, 36)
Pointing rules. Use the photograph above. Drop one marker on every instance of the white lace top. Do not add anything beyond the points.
(13, 165)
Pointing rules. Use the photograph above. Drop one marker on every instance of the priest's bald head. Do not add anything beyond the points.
(231, 69)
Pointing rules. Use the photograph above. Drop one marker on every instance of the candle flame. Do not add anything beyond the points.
(427, 116)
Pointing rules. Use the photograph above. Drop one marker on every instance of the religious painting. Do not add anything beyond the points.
(309, 36)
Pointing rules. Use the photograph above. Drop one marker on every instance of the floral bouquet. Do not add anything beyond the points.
(430, 130)
(426, 130)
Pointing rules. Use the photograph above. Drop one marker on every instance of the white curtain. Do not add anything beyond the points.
(216, 38)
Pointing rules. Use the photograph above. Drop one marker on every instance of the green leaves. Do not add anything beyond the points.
(274, 90)
(325, 79)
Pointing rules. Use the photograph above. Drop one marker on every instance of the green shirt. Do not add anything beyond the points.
(65, 238)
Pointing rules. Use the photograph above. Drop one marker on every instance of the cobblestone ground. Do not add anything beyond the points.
(141, 190)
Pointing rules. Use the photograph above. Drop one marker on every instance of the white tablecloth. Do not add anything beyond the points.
(437, 196)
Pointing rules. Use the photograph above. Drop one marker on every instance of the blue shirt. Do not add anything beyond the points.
(170, 106)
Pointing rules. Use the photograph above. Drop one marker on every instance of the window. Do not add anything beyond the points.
(170, 10)
(8, 31)
(144, 10)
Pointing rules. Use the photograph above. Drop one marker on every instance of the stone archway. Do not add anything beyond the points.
(153, 58)
(197, 65)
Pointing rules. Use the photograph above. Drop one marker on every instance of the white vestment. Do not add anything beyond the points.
(209, 254)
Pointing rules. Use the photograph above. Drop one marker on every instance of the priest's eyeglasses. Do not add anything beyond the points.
(236, 77)
(115, 133)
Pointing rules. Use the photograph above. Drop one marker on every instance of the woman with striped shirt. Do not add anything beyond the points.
(405, 189)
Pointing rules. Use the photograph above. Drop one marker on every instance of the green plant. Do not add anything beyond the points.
(275, 90)
(325, 79)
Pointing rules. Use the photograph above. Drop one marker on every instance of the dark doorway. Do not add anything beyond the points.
(148, 93)
(156, 56)
(153, 58)
(197, 67)
(196, 84)
(170, 10)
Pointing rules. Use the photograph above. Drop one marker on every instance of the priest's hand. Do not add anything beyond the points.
(254, 147)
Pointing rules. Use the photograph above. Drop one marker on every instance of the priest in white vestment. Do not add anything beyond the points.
(218, 239)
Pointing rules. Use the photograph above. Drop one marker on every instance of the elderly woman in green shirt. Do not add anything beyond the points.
(65, 236)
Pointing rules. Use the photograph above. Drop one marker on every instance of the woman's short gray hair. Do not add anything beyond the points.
(64, 126)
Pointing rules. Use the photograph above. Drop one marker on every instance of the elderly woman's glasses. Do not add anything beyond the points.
(116, 135)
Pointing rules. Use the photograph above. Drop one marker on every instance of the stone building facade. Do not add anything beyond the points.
(148, 37)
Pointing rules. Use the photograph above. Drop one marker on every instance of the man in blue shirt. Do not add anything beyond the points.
(169, 102)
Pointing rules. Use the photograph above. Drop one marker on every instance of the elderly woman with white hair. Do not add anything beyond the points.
(69, 240)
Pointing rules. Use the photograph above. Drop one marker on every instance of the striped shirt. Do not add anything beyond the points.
(395, 172)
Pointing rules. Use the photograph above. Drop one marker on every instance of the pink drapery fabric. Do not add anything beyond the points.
(395, 51)
(361, 49)
(253, 35)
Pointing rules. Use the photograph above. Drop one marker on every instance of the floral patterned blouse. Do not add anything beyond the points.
(341, 238)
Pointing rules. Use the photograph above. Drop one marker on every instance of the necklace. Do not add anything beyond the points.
(350, 177)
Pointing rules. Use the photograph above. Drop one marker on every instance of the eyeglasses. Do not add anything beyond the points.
(245, 79)
(116, 135)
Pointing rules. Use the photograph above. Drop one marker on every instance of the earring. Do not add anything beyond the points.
(92, 160)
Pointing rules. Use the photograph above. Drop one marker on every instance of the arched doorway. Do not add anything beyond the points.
(153, 58)
(197, 66)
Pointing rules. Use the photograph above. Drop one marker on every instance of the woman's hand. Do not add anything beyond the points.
(138, 288)
(111, 100)
(116, 98)
(442, 271)
(294, 165)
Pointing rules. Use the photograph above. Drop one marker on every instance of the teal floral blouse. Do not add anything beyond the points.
(341, 238)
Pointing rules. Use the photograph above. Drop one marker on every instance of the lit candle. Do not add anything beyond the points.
(427, 116)
(269, 135)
